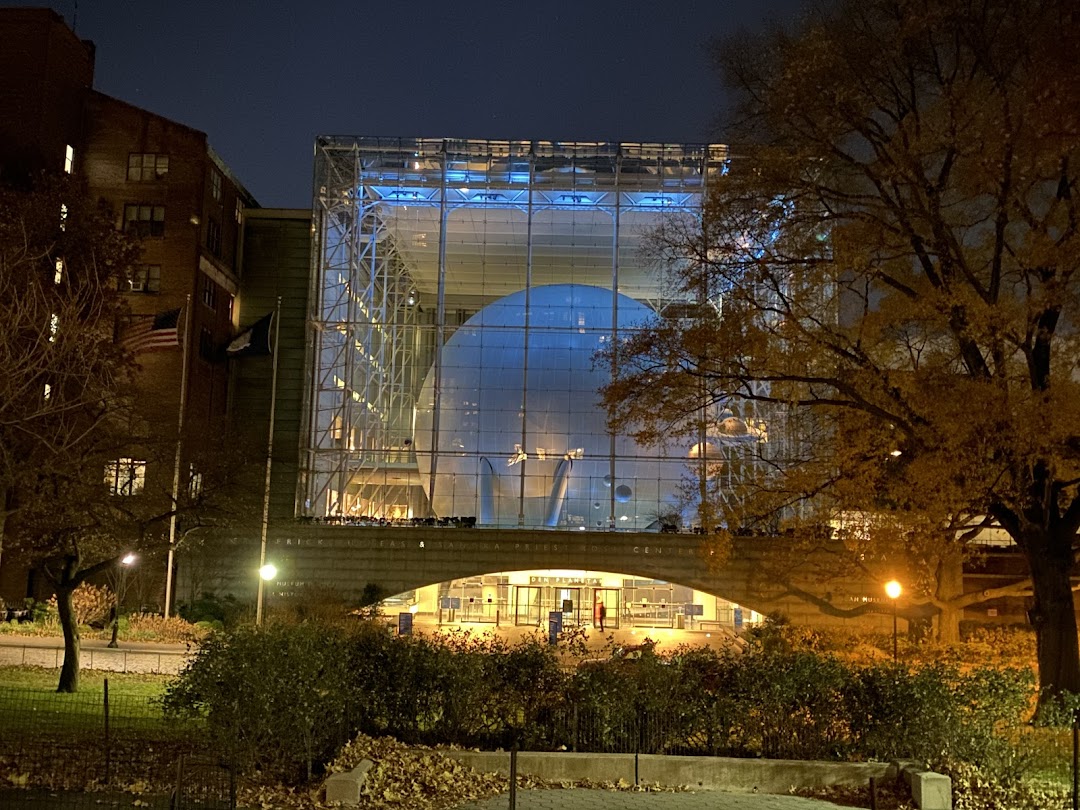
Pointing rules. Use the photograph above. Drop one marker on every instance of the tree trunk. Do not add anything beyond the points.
(1053, 616)
(950, 586)
(5, 504)
(948, 624)
(69, 672)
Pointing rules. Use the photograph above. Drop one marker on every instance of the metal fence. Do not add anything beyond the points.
(589, 729)
(74, 751)
(1047, 753)
(626, 730)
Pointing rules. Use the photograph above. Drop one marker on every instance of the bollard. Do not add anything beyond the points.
(513, 777)
(873, 793)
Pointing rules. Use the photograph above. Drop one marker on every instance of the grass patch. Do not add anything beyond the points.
(31, 707)
(127, 684)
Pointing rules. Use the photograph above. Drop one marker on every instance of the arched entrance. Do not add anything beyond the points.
(591, 600)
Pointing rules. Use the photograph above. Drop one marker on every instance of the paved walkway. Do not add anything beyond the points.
(582, 799)
(48, 652)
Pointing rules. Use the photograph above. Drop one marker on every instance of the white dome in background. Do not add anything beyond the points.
(503, 431)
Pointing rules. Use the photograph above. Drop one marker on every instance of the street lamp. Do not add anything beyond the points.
(122, 566)
(893, 591)
(266, 573)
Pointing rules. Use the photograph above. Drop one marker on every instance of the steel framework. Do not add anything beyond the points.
(414, 236)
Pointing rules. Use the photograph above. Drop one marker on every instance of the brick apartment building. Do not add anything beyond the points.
(162, 182)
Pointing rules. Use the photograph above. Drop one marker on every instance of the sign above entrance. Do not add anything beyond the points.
(594, 582)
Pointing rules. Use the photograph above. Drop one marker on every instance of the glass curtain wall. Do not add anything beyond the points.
(461, 289)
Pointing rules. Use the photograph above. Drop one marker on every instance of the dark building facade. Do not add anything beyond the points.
(46, 74)
(165, 185)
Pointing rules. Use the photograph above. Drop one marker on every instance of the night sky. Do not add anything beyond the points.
(263, 77)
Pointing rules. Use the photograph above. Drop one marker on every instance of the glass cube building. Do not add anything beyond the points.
(461, 289)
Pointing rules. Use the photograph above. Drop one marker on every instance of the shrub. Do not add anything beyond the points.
(92, 604)
(937, 714)
(225, 610)
(44, 612)
(795, 702)
(276, 696)
(456, 689)
(313, 603)
(152, 627)
(289, 695)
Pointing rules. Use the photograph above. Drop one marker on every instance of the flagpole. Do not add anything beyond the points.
(176, 457)
(269, 460)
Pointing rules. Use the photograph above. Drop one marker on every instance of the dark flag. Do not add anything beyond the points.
(147, 333)
(253, 341)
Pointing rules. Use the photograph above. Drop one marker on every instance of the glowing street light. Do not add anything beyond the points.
(122, 566)
(893, 591)
(267, 572)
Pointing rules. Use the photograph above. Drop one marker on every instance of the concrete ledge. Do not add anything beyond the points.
(701, 773)
(345, 788)
(929, 790)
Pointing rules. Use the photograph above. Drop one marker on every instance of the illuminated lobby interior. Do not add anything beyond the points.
(526, 598)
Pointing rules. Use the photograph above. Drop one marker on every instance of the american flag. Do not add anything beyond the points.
(147, 333)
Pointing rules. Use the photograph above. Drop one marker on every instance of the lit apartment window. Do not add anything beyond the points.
(69, 158)
(54, 327)
(213, 236)
(125, 476)
(48, 392)
(58, 271)
(144, 220)
(145, 278)
(215, 184)
(146, 166)
(239, 211)
(63, 216)
(195, 482)
(209, 292)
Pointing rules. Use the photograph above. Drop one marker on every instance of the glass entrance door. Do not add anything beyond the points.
(568, 600)
(528, 602)
(606, 605)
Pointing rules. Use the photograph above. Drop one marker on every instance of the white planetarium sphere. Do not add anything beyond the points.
(522, 431)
